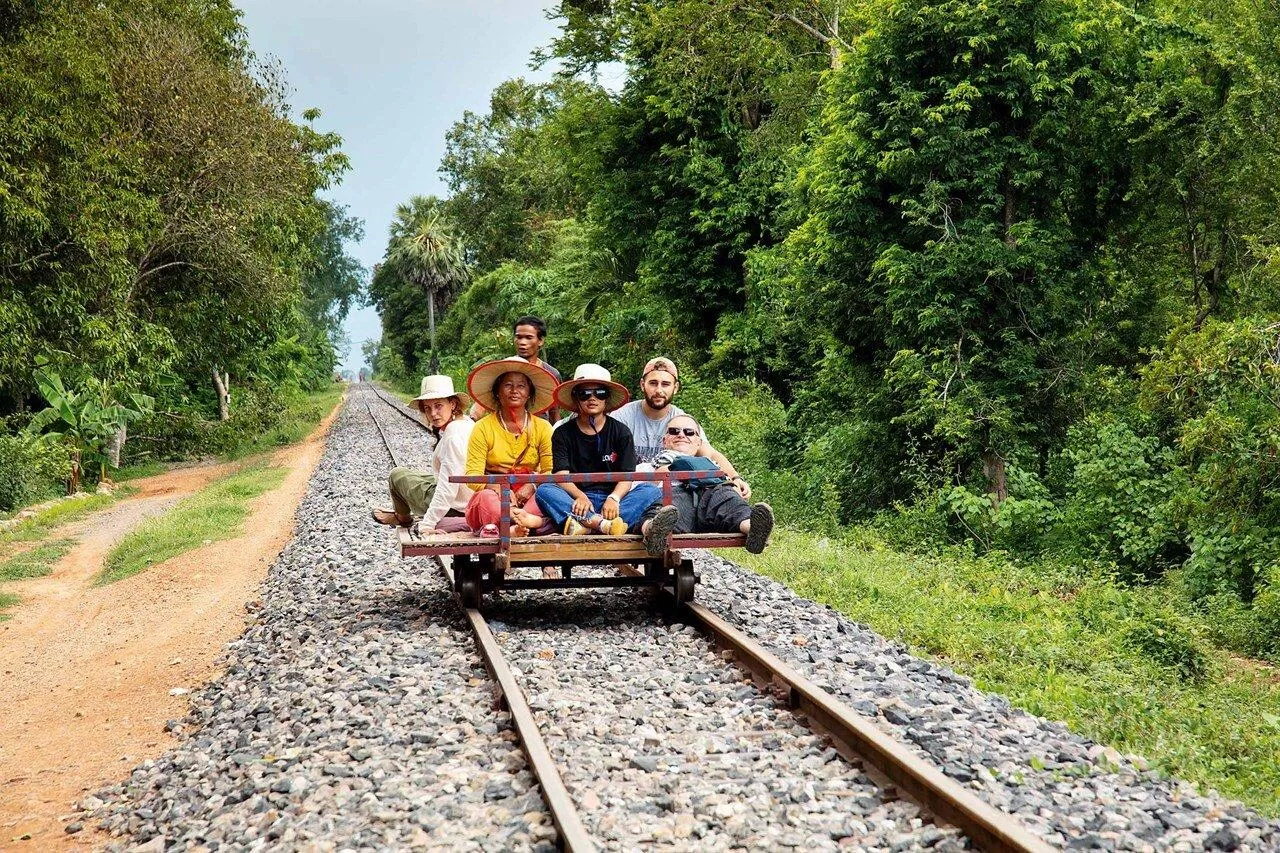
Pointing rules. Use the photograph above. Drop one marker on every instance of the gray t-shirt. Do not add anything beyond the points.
(647, 432)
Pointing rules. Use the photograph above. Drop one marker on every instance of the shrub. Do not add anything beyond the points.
(1215, 389)
(30, 471)
(1227, 557)
(1167, 642)
(1119, 498)
(1264, 639)
(179, 432)
(1018, 523)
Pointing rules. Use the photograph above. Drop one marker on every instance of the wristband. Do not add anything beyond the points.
(613, 498)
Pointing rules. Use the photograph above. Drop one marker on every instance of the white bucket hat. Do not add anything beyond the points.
(440, 387)
(591, 374)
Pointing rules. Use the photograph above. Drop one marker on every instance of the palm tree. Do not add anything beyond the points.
(424, 250)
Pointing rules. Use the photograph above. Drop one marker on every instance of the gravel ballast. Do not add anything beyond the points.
(355, 714)
(1086, 796)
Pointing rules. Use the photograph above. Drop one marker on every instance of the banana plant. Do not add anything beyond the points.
(85, 420)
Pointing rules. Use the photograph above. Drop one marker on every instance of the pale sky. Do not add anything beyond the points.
(391, 76)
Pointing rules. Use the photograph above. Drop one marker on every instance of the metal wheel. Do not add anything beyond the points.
(469, 590)
(468, 583)
(685, 581)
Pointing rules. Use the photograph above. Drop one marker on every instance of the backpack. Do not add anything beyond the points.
(697, 463)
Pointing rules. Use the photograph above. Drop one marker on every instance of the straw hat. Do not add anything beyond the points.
(480, 383)
(591, 374)
(439, 387)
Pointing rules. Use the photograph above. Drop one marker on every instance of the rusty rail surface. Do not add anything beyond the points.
(862, 742)
(573, 835)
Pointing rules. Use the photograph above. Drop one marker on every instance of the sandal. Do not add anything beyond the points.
(388, 517)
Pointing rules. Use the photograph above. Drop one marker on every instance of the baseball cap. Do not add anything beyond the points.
(660, 363)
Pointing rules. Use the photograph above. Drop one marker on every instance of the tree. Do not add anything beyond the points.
(968, 167)
(158, 213)
(87, 421)
(518, 168)
(423, 250)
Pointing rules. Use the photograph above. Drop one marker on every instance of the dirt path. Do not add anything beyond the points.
(87, 671)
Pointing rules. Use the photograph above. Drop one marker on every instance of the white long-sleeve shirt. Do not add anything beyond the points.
(448, 460)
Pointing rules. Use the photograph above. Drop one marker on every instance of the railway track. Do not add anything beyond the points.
(355, 713)
(397, 407)
(892, 767)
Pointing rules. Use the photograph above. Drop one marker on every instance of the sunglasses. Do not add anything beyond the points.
(689, 431)
(587, 393)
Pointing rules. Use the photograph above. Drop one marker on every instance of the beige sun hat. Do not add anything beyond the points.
(440, 387)
(480, 383)
(591, 374)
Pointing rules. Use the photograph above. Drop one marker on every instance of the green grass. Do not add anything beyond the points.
(63, 512)
(6, 601)
(35, 563)
(303, 412)
(138, 470)
(217, 512)
(1125, 666)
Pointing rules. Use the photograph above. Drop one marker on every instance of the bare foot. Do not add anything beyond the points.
(526, 519)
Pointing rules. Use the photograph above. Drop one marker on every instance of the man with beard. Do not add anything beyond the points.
(648, 417)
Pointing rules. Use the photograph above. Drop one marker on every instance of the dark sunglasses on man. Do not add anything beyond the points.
(689, 431)
(582, 394)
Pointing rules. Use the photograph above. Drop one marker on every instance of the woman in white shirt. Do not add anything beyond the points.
(439, 503)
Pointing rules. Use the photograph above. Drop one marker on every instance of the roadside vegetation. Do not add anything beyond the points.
(168, 261)
(1130, 666)
(988, 289)
(38, 525)
(216, 513)
(35, 562)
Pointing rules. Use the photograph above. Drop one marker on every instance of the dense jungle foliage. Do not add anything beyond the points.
(166, 261)
(1001, 273)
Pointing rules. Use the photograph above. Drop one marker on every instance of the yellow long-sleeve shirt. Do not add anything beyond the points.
(493, 450)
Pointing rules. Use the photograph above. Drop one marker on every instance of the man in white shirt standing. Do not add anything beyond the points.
(440, 504)
(648, 417)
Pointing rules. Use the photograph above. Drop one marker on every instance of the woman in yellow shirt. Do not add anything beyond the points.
(510, 439)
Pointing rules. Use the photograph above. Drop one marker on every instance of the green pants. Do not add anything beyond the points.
(411, 491)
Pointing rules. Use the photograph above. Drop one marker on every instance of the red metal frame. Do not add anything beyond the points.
(500, 546)
(506, 481)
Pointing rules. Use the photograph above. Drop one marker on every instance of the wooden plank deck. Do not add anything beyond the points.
(557, 547)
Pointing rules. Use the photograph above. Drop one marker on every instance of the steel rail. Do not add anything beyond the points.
(856, 738)
(573, 835)
(861, 741)
(398, 406)
(395, 461)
